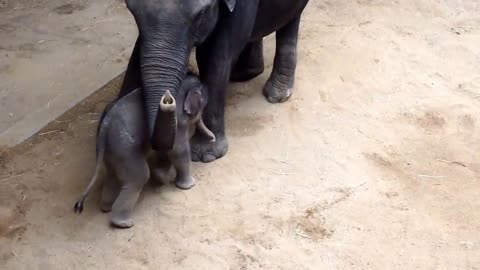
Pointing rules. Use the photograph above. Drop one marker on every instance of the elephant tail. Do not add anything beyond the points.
(101, 141)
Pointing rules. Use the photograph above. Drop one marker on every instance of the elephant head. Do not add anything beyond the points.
(168, 30)
(194, 104)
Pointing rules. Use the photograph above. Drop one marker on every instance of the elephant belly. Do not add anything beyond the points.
(274, 14)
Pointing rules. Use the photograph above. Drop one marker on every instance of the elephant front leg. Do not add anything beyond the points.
(214, 59)
(279, 86)
(215, 73)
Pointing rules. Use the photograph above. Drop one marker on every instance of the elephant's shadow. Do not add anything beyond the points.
(240, 93)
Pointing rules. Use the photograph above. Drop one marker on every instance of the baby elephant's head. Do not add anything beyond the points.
(184, 114)
(195, 101)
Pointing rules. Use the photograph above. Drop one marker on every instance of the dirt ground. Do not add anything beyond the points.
(373, 163)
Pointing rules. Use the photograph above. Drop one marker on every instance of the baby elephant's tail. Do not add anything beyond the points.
(78, 208)
(101, 140)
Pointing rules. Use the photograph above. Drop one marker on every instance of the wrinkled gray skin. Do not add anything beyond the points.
(228, 36)
(123, 145)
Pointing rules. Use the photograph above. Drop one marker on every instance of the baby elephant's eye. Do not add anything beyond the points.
(199, 15)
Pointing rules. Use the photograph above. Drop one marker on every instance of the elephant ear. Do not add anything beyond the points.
(195, 101)
(230, 4)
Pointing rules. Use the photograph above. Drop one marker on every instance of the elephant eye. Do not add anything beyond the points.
(200, 13)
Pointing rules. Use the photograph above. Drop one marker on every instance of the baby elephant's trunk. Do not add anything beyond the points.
(203, 128)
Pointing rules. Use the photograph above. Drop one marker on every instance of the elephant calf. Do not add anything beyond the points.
(123, 145)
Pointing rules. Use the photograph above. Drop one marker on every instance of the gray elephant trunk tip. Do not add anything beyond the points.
(165, 127)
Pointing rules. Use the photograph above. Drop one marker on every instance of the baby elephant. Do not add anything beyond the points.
(123, 145)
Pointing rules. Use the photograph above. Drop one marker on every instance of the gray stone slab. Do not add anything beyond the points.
(55, 53)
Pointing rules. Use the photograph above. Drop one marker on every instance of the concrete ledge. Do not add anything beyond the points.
(54, 54)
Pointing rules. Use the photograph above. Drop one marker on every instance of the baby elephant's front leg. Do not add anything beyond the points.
(181, 160)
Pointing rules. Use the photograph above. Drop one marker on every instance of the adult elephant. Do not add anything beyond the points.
(223, 31)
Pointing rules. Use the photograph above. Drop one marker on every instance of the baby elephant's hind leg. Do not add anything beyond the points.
(133, 174)
(110, 190)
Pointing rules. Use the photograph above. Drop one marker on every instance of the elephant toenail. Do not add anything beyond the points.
(208, 158)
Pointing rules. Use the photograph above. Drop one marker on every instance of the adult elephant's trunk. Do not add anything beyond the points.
(165, 123)
(163, 63)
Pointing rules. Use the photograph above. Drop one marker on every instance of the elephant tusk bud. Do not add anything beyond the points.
(202, 127)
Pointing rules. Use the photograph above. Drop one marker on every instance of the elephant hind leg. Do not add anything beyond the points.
(279, 86)
(133, 175)
(110, 191)
(250, 62)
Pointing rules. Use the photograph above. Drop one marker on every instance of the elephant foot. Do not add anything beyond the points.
(110, 192)
(242, 75)
(205, 151)
(122, 222)
(276, 92)
(185, 183)
(106, 206)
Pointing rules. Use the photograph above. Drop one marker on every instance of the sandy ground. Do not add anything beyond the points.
(373, 164)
